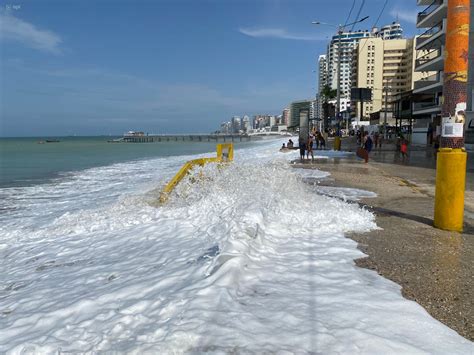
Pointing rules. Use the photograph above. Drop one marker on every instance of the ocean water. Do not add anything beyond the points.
(246, 258)
(25, 162)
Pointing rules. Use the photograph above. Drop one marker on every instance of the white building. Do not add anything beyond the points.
(226, 128)
(271, 121)
(322, 82)
(392, 31)
(236, 126)
(246, 124)
(348, 41)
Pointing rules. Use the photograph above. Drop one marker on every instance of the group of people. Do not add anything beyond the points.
(376, 138)
(315, 141)
(368, 141)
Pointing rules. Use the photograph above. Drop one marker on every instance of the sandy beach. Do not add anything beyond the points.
(434, 267)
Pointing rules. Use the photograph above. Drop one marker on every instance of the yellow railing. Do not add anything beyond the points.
(225, 153)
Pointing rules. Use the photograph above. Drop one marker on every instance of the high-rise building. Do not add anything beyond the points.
(236, 127)
(322, 82)
(348, 41)
(285, 116)
(385, 67)
(299, 113)
(322, 72)
(392, 31)
(246, 123)
(226, 128)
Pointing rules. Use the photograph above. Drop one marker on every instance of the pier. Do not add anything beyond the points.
(190, 138)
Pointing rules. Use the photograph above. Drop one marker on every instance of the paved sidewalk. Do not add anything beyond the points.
(434, 267)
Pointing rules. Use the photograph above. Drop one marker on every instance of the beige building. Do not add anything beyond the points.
(386, 67)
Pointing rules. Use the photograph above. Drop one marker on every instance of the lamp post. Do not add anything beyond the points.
(340, 31)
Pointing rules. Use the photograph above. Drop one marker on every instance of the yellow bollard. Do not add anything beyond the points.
(450, 185)
(337, 143)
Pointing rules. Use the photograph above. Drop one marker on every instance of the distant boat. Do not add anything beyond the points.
(117, 140)
(52, 141)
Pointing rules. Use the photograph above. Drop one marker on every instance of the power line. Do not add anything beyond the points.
(358, 14)
(350, 13)
(381, 12)
(375, 24)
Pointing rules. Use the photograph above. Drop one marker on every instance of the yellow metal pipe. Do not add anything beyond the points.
(450, 185)
(225, 153)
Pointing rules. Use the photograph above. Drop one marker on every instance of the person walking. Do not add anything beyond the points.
(302, 146)
(322, 141)
(309, 148)
(376, 139)
(368, 144)
(404, 149)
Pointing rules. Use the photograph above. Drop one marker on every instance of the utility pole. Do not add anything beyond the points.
(455, 65)
(339, 58)
(385, 111)
(468, 130)
(470, 61)
(451, 157)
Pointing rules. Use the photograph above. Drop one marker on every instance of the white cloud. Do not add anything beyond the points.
(280, 33)
(404, 15)
(15, 29)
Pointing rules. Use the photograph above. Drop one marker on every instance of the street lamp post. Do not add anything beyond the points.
(340, 31)
(339, 58)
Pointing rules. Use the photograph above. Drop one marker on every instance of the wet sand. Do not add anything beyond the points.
(434, 267)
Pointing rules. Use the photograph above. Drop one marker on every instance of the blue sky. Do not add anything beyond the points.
(105, 67)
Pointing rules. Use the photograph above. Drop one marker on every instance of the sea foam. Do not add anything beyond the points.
(243, 258)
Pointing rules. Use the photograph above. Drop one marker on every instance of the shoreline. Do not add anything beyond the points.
(433, 267)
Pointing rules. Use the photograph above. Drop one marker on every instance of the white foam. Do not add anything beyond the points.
(247, 259)
(310, 173)
(345, 193)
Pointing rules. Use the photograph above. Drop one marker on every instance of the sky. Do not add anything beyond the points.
(105, 67)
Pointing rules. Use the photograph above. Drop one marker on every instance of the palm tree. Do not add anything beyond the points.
(327, 94)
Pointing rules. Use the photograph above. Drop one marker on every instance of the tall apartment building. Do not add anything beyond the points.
(430, 61)
(286, 116)
(236, 125)
(386, 67)
(392, 31)
(322, 82)
(322, 72)
(348, 41)
(245, 125)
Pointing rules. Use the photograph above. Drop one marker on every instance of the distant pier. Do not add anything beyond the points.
(190, 138)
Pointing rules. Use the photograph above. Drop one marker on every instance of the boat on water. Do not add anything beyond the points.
(49, 141)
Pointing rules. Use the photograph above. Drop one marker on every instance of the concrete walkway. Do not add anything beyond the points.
(434, 267)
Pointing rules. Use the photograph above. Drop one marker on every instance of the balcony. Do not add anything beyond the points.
(430, 84)
(434, 37)
(433, 14)
(426, 107)
(423, 2)
(431, 61)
